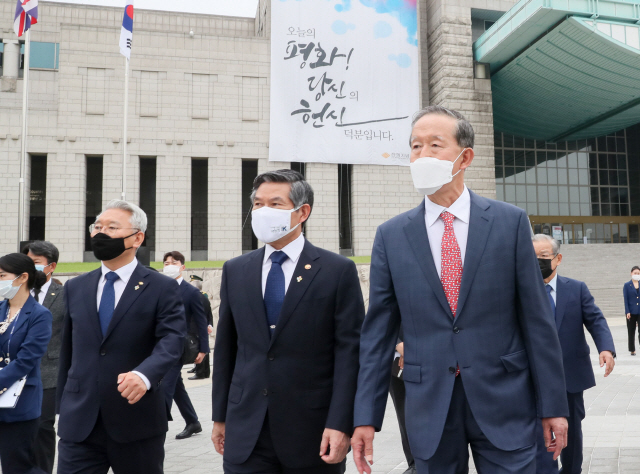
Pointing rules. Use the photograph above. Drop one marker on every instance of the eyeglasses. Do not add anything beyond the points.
(547, 256)
(109, 230)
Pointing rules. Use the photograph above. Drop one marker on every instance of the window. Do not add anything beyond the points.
(344, 209)
(43, 55)
(93, 193)
(299, 167)
(38, 197)
(148, 199)
(199, 209)
(249, 173)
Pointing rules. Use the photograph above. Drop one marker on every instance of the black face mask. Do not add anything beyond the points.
(545, 267)
(107, 248)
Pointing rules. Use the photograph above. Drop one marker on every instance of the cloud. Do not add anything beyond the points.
(339, 27)
(403, 60)
(382, 29)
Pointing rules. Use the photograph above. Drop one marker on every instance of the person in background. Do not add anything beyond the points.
(51, 295)
(574, 310)
(398, 394)
(123, 330)
(196, 322)
(25, 329)
(631, 292)
(203, 369)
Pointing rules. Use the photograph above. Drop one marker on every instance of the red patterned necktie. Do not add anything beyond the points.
(451, 265)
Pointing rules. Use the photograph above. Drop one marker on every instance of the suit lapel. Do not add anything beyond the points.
(480, 222)
(297, 288)
(253, 288)
(562, 294)
(24, 313)
(91, 304)
(416, 232)
(52, 294)
(131, 293)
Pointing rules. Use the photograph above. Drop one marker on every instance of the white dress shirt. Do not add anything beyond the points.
(461, 209)
(119, 285)
(293, 251)
(43, 291)
(179, 281)
(553, 284)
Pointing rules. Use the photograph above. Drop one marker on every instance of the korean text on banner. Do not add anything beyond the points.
(344, 80)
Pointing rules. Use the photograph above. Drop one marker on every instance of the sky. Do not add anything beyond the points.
(245, 8)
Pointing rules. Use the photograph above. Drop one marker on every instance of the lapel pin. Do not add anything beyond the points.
(307, 267)
(140, 283)
(53, 294)
(136, 287)
(299, 279)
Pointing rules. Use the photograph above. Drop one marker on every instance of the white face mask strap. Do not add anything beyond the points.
(454, 161)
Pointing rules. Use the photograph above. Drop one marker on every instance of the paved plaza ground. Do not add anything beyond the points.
(611, 428)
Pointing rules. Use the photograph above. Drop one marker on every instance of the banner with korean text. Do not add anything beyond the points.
(344, 80)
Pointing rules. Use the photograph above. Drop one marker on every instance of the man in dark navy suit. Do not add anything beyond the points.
(482, 361)
(574, 309)
(196, 322)
(123, 330)
(285, 361)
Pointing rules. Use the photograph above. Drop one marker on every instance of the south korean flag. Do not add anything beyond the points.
(126, 33)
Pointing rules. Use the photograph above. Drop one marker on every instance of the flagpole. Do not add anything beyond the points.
(124, 133)
(23, 150)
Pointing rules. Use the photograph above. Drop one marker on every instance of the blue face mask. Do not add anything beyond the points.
(41, 268)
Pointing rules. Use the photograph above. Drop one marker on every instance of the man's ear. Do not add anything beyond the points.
(306, 212)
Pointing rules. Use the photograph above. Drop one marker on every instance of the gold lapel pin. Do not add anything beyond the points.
(140, 283)
(299, 279)
(307, 267)
(136, 287)
(53, 294)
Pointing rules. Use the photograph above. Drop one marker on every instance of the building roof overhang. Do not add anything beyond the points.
(564, 69)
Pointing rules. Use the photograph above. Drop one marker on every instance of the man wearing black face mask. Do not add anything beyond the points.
(573, 307)
(123, 330)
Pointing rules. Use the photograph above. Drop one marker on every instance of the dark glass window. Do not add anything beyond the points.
(199, 208)
(344, 208)
(148, 199)
(38, 197)
(93, 200)
(299, 167)
(249, 173)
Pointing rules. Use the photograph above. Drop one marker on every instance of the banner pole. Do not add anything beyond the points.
(23, 147)
(124, 133)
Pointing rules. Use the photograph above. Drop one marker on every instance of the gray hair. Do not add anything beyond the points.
(301, 191)
(138, 218)
(555, 245)
(464, 131)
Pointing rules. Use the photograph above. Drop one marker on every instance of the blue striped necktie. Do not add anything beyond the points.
(107, 302)
(274, 289)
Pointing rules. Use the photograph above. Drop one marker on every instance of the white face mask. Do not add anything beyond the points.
(172, 271)
(430, 174)
(8, 291)
(635, 277)
(271, 224)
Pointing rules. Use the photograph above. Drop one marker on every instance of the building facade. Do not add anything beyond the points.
(198, 133)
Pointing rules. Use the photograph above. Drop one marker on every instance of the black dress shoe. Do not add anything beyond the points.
(197, 377)
(190, 429)
(191, 371)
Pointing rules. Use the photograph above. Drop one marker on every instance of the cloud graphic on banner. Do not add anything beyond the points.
(382, 29)
(345, 6)
(405, 11)
(339, 27)
(403, 60)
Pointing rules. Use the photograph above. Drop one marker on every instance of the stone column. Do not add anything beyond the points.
(10, 65)
(322, 229)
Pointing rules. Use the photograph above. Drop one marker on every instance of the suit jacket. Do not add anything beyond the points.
(146, 334)
(207, 308)
(195, 314)
(503, 337)
(575, 308)
(631, 298)
(54, 302)
(305, 375)
(29, 341)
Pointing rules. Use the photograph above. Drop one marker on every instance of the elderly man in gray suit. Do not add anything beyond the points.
(51, 295)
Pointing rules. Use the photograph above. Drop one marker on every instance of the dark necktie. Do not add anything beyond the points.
(553, 303)
(107, 302)
(274, 290)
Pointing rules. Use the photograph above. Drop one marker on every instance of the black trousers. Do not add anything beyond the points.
(16, 440)
(632, 322)
(461, 431)
(175, 391)
(398, 393)
(97, 453)
(571, 456)
(44, 447)
(263, 460)
(203, 369)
